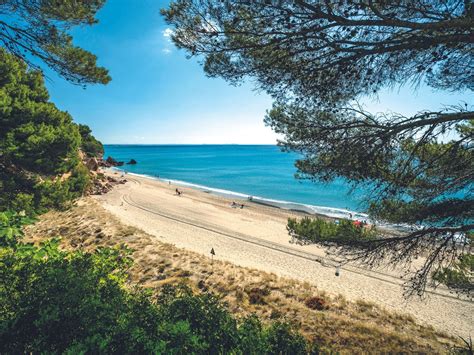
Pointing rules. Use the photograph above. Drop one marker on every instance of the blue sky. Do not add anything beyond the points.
(157, 96)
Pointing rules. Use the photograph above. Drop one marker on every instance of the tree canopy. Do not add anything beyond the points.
(89, 144)
(39, 30)
(318, 59)
(39, 144)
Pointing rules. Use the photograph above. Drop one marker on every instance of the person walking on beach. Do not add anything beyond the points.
(178, 193)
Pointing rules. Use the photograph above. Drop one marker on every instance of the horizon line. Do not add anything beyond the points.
(189, 144)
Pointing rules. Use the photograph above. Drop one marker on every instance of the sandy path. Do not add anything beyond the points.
(256, 237)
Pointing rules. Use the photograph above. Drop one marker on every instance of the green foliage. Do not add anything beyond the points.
(282, 340)
(51, 299)
(318, 230)
(23, 202)
(251, 336)
(34, 134)
(89, 144)
(327, 52)
(38, 29)
(56, 301)
(58, 193)
(38, 144)
(11, 224)
(213, 325)
(459, 277)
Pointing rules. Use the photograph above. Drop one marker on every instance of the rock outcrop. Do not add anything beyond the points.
(92, 164)
(110, 162)
(102, 184)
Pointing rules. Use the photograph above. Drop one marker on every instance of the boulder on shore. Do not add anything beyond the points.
(102, 184)
(109, 162)
(132, 162)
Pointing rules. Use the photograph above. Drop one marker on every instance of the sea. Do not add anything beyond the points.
(261, 172)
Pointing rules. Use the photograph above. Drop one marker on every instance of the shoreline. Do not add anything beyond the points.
(325, 211)
(256, 237)
(333, 213)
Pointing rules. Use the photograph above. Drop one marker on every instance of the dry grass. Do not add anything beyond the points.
(342, 326)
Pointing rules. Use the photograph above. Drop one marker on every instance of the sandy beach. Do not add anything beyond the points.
(255, 236)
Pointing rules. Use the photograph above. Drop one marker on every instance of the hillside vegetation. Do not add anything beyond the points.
(330, 321)
(59, 301)
(40, 146)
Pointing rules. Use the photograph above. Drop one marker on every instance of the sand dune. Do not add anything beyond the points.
(256, 237)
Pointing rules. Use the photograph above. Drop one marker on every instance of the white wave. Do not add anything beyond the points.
(333, 212)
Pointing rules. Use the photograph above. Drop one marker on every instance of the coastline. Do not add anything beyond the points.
(332, 212)
(256, 237)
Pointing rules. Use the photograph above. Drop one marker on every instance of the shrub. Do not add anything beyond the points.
(257, 295)
(459, 277)
(56, 301)
(58, 194)
(252, 339)
(283, 339)
(317, 303)
(89, 144)
(11, 224)
(322, 231)
(23, 202)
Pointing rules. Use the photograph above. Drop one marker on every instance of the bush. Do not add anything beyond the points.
(282, 339)
(257, 295)
(278, 338)
(318, 230)
(89, 144)
(58, 194)
(317, 303)
(23, 202)
(56, 301)
(11, 231)
(459, 277)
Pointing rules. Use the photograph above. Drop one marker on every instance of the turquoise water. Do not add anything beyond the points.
(262, 171)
